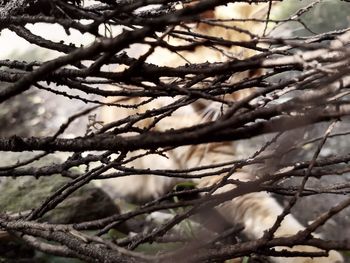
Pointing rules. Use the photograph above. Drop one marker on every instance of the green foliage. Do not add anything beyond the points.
(114, 234)
(325, 16)
(45, 258)
(156, 247)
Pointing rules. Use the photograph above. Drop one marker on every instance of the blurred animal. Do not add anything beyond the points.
(257, 211)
